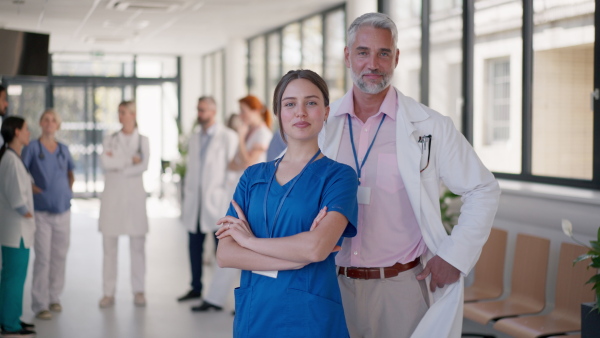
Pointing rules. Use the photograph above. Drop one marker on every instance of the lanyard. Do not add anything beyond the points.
(359, 167)
(294, 180)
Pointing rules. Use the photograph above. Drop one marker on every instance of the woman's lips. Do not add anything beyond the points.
(301, 124)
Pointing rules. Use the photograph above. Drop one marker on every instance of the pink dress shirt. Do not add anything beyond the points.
(388, 232)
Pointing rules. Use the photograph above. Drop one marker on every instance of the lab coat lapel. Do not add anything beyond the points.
(333, 131)
(209, 152)
(408, 152)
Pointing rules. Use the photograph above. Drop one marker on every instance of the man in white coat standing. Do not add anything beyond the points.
(206, 195)
(402, 275)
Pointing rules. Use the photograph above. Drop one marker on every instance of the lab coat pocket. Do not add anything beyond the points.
(310, 315)
(241, 321)
(388, 174)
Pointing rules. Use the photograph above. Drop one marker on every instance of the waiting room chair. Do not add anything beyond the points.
(528, 284)
(571, 291)
(489, 271)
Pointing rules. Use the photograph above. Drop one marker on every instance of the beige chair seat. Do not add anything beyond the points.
(483, 312)
(535, 326)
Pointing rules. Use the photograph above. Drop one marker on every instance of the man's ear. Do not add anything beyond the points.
(397, 57)
(347, 57)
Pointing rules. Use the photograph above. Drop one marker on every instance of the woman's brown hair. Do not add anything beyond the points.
(254, 103)
(292, 75)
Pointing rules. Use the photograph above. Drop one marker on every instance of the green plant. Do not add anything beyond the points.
(593, 255)
(448, 217)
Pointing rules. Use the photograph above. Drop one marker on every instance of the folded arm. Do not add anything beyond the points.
(305, 247)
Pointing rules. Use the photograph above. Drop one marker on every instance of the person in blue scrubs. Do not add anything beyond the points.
(285, 222)
(51, 166)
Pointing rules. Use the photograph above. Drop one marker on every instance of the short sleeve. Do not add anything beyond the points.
(340, 195)
(240, 196)
(263, 138)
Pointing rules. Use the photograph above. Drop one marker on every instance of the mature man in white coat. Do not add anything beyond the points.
(402, 275)
(206, 195)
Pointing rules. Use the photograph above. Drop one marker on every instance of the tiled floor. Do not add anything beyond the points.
(167, 278)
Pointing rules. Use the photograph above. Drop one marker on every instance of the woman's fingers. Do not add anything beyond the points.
(238, 210)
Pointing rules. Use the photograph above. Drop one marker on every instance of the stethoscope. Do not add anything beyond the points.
(60, 154)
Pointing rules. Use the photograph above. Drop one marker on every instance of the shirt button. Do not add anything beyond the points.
(355, 253)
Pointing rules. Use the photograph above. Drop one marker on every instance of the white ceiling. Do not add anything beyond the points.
(181, 27)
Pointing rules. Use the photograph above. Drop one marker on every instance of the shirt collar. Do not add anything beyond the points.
(389, 106)
(210, 131)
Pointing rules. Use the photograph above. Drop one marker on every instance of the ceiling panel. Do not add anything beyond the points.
(196, 27)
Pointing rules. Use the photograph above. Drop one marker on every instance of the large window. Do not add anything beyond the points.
(213, 78)
(518, 77)
(86, 91)
(563, 77)
(315, 42)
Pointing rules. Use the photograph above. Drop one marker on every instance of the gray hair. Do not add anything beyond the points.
(376, 20)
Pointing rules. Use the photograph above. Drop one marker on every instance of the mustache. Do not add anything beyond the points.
(372, 72)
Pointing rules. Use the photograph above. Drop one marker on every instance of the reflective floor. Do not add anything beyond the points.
(167, 278)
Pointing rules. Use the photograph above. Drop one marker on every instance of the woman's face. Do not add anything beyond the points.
(303, 110)
(126, 117)
(22, 135)
(248, 115)
(49, 124)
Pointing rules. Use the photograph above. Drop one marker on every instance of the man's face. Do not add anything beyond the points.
(372, 59)
(3, 103)
(206, 111)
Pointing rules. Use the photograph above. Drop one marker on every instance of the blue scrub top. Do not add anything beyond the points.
(49, 172)
(304, 302)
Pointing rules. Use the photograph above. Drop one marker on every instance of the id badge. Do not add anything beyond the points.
(363, 195)
(272, 274)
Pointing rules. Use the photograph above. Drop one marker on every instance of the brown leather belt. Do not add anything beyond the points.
(377, 273)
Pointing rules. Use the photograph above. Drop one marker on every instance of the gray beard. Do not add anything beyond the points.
(368, 87)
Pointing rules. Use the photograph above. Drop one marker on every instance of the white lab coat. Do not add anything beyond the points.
(453, 162)
(123, 202)
(209, 195)
(15, 191)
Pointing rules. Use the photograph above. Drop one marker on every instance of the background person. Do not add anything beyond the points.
(51, 166)
(288, 285)
(206, 191)
(123, 203)
(253, 128)
(17, 226)
(401, 151)
(3, 107)
(254, 134)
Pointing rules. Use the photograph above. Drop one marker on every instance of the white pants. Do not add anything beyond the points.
(51, 244)
(222, 285)
(138, 263)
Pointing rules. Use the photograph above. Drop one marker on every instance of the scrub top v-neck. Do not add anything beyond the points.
(304, 302)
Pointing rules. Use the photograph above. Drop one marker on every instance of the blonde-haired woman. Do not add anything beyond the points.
(123, 203)
(51, 167)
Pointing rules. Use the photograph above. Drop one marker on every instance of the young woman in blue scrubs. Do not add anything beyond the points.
(51, 166)
(16, 227)
(286, 219)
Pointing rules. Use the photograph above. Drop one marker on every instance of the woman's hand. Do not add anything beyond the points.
(237, 228)
(36, 190)
(28, 215)
(136, 159)
(108, 153)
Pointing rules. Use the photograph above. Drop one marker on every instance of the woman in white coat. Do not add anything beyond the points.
(17, 226)
(123, 203)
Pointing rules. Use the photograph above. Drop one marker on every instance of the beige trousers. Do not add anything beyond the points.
(384, 308)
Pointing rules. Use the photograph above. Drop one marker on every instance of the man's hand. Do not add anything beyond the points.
(442, 273)
(36, 190)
